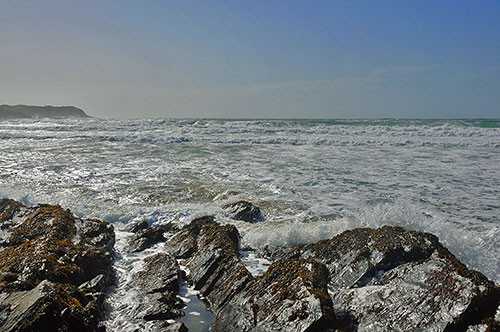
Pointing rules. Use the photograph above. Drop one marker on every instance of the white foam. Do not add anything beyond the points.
(312, 179)
(124, 303)
(255, 265)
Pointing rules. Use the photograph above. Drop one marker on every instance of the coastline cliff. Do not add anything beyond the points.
(27, 112)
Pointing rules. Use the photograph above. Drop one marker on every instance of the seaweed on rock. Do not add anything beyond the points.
(53, 269)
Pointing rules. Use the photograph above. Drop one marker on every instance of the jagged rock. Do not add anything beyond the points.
(393, 279)
(273, 253)
(357, 256)
(138, 226)
(52, 259)
(161, 273)
(97, 234)
(8, 209)
(213, 259)
(429, 296)
(365, 279)
(47, 254)
(43, 221)
(48, 307)
(291, 296)
(99, 283)
(157, 310)
(160, 281)
(245, 211)
(147, 236)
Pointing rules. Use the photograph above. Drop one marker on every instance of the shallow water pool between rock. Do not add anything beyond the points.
(198, 318)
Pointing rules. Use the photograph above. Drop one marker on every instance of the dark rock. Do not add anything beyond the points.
(24, 111)
(357, 256)
(156, 310)
(44, 221)
(48, 307)
(431, 295)
(8, 209)
(52, 259)
(145, 238)
(184, 244)
(138, 226)
(361, 280)
(291, 296)
(161, 273)
(160, 281)
(245, 211)
(213, 259)
(393, 279)
(97, 234)
(48, 254)
(99, 283)
(273, 253)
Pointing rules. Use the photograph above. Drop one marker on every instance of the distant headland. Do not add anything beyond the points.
(28, 112)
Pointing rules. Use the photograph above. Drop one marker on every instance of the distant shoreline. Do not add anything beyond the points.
(30, 112)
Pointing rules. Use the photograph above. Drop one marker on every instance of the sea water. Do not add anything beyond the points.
(312, 179)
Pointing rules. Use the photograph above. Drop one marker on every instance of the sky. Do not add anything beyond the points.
(254, 59)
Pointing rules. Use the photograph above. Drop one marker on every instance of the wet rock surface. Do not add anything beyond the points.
(291, 296)
(145, 236)
(390, 279)
(160, 281)
(245, 211)
(382, 279)
(50, 307)
(54, 268)
(212, 257)
(138, 226)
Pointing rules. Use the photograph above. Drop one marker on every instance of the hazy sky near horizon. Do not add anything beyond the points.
(248, 59)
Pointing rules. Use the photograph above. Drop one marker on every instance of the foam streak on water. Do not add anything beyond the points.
(312, 178)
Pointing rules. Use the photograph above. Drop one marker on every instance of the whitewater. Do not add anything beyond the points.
(312, 179)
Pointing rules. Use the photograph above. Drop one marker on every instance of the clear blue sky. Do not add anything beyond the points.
(272, 59)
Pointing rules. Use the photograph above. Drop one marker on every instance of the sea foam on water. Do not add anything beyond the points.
(312, 179)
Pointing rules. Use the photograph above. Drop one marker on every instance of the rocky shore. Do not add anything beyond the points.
(56, 270)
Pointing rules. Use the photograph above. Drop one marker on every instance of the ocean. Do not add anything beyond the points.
(312, 179)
